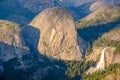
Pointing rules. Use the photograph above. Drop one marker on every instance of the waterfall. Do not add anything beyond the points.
(101, 63)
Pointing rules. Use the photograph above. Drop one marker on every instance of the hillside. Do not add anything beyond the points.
(98, 22)
(111, 41)
(101, 30)
(108, 39)
(99, 17)
(11, 41)
(19, 58)
(111, 73)
(40, 40)
(98, 4)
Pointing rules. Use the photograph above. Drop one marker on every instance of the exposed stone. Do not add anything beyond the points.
(103, 3)
(106, 58)
(11, 41)
(58, 38)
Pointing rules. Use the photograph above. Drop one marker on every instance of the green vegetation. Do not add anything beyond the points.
(108, 43)
(100, 75)
(77, 68)
(84, 23)
(23, 68)
(60, 70)
(118, 48)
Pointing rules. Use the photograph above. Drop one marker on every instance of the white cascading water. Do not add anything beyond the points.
(101, 63)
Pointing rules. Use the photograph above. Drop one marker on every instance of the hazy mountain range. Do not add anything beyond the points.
(25, 10)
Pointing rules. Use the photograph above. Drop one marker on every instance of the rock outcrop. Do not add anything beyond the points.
(11, 41)
(103, 3)
(58, 38)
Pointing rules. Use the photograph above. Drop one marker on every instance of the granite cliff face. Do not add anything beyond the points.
(11, 41)
(58, 38)
(10, 33)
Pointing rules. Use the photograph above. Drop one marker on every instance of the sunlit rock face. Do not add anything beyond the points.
(10, 33)
(11, 41)
(58, 38)
(103, 3)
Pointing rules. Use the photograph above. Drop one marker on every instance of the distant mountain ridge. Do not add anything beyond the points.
(22, 11)
(103, 3)
(25, 10)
